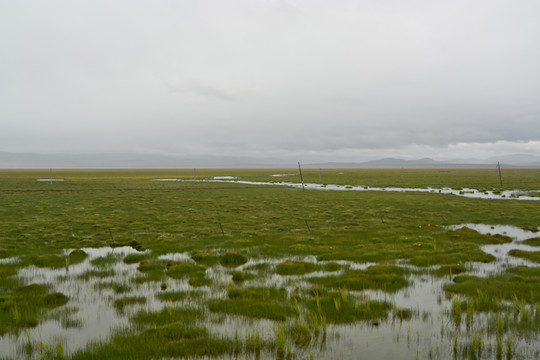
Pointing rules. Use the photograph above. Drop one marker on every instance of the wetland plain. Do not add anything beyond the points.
(232, 263)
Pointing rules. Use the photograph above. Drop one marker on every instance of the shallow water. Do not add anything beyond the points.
(468, 193)
(430, 332)
(500, 251)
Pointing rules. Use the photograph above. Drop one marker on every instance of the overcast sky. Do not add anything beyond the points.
(316, 79)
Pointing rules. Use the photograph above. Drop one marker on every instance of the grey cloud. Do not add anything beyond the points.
(279, 76)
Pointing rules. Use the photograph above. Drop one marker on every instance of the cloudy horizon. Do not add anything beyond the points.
(315, 80)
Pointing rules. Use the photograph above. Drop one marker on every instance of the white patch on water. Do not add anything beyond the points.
(279, 175)
(49, 179)
(225, 177)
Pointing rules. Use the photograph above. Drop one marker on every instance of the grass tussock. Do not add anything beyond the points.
(135, 258)
(533, 256)
(233, 259)
(267, 303)
(296, 267)
(25, 306)
(121, 303)
(339, 307)
(388, 278)
(520, 282)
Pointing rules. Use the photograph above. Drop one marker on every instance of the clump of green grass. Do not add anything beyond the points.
(122, 302)
(117, 287)
(24, 306)
(196, 273)
(331, 266)
(102, 273)
(381, 277)
(199, 279)
(205, 258)
(180, 270)
(107, 260)
(268, 303)
(529, 255)
(171, 339)
(55, 299)
(57, 261)
(48, 260)
(340, 308)
(532, 242)
(452, 269)
(241, 276)
(178, 295)
(520, 282)
(233, 259)
(135, 258)
(154, 270)
(168, 315)
(293, 267)
(77, 256)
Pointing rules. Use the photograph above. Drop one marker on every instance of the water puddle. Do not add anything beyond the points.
(500, 251)
(468, 193)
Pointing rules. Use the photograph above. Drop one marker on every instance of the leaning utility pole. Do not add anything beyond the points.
(301, 177)
(500, 177)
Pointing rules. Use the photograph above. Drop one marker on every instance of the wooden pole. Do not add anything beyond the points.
(301, 177)
(50, 176)
(221, 227)
(500, 177)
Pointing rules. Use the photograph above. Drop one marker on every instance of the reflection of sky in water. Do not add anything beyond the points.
(389, 339)
(469, 193)
(500, 251)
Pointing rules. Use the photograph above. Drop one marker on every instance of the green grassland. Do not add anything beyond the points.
(226, 224)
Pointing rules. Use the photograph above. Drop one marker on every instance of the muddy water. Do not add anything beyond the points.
(430, 333)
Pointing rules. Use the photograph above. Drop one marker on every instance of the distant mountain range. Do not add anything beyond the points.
(514, 161)
(136, 161)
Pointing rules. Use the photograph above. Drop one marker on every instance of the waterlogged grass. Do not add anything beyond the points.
(170, 341)
(388, 278)
(57, 261)
(267, 303)
(116, 286)
(225, 224)
(340, 307)
(179, 295)
(452, 269)
(529, 255)
(96, 273)
(204, 258)
(522, 283)
(241, 276)
(532, 242)
(233, 259)
(25, 306)
(135, 258)
(122, 302)
(107, 260)
(180, 269)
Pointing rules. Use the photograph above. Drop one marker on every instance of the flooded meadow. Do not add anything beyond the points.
(389, 283)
